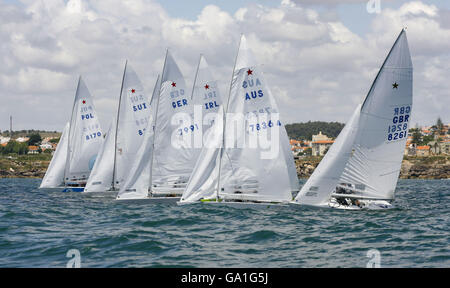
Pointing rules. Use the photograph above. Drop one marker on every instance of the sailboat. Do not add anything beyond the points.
(54, 176)
(162, 168)
(121, 144)
(84, 138)
(361, 168)
(230, 170)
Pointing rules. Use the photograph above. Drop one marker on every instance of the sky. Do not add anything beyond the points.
(319, 56)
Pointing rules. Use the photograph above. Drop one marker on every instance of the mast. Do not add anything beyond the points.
(156, 118)
(196, 74)
(117, 126)
(70, 130)
(224, 118)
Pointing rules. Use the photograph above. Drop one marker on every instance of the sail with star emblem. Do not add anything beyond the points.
(372, 169)
(173, 155)
(54, 176)
(132, 118)
(207, 100)
(85, 138)
(385, 114)
(253, 166)
(137, 183)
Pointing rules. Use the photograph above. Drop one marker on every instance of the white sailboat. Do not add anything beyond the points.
(54, 176)
(83, 142)
(361, 168)
(118, 152)
(230, 170)
(162, 169)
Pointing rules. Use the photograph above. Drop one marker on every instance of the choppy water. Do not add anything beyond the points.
(38, 228)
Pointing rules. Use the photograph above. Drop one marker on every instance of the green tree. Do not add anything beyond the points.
(416, 136)
(440, 126)
(14, 147)
(306, 130)
(55, 140)
(308, 151)
(35, 139)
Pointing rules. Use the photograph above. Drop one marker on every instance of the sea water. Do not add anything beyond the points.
(43, 229)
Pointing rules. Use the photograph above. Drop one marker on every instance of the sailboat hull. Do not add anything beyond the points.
(153, 200)
(242, 205)
(63, 189)
(365, 205)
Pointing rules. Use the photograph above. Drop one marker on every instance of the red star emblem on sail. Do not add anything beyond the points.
(174, 84)
(132, 90)
(249, 72)
(84, 102)
(206, 86)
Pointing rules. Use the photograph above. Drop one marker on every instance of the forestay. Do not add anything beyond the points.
(85, 137)
(54, 176)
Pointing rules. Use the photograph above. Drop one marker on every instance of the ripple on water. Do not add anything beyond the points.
(38, 228)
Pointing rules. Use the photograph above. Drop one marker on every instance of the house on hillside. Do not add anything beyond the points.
(22, 139)
(320, 144)
(33, 150)
(423, 150)
(4, 140)
(45, 146)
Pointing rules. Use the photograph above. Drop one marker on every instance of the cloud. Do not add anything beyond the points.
(315, 65)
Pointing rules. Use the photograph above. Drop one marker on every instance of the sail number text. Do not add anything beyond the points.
(399, 126)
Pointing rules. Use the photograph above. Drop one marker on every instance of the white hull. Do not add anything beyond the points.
(152, 200)
(243, 205)
(63, 189)
(109, 193)
(365, 205)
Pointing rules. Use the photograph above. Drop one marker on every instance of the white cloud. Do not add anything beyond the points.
(317, 67)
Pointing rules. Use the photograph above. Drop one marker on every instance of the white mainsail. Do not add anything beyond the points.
(376, 136)
(204, 178)
(207, 99)
(173, 156)
(101, 176)
(54, 176)
(137, 184)
(206, 91)
(246, 172)
(381, 138)
(132, 119)
(85, 137)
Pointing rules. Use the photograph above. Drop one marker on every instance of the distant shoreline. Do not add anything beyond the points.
(427, 167)
(430, 167)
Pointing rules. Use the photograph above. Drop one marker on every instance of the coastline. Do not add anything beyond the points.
(430, 167)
